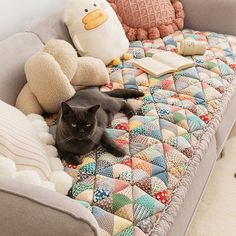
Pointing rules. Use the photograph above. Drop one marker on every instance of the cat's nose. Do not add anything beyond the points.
(82, 130)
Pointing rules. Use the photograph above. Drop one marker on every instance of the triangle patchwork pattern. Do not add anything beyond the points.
(144, 205)
(109, 223)
(165, 82)
(128, 195)
(119, 204)
(147, 126)
(170, 130)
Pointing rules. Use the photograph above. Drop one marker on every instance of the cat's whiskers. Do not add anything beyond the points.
(66, 139)
(64, 135)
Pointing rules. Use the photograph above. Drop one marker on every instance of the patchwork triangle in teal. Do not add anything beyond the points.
(159, 161)
(224, 68)
(115, 133)
(149, 129)
(144, 205)
(194, 122)
(148, 109)
(170, 41)
(194, 91)
(180, 142)
(147, 99)
(89, 168)
(152, 154)
(108, 171)
(161, 173)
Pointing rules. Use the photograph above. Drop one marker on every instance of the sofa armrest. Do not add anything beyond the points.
(211, 15)
(30, 210)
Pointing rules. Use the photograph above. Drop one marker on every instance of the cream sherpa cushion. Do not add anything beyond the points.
(20, 142)
(51, 75)
(27, 102)
(48, 75)
(48, 81)
(90, 72)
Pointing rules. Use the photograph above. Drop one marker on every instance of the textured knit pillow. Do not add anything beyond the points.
(19, 142)
(149, 19)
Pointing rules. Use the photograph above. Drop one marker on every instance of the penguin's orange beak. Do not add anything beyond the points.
(94, 19)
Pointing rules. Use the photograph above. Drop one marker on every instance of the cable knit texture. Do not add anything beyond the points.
(149, 19)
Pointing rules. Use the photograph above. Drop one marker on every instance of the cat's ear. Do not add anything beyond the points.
(93, 109)
(66, 109)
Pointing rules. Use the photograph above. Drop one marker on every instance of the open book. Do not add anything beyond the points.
(163, 62)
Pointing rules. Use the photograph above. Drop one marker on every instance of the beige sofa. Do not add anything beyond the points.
(29, 210)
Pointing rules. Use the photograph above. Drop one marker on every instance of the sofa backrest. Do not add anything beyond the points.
(15, 51)
(51, 27)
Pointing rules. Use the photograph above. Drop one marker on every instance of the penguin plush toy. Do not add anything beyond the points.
(96, 30)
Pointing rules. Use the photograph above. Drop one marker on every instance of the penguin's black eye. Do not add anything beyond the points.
(95, 4)
(86, 10)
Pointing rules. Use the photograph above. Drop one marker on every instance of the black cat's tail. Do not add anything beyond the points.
(125, 93)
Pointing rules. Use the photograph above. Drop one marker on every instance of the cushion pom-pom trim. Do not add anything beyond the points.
(132, 34)
(161, 30)
(142, 34)
(153, 33)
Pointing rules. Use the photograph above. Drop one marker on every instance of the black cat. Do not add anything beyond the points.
(84, 118)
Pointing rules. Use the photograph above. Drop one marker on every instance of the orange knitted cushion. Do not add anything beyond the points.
(149, 19)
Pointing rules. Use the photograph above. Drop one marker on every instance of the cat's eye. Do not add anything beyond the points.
(88, 125)
(86, 10)
(73, 125)
(95, 4)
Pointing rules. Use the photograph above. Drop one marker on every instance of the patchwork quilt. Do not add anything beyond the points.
(132, 195)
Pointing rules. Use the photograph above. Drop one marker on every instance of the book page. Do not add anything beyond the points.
(173, 60)
(153, 67)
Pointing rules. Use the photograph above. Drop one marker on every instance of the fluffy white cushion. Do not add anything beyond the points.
(20, 142)
(46, 138)
(51, 151)
(55, 164)
(48, 185)
(62, 181)
(40, 126)
(28, 176)
(33, 117)
(96, 30)
(24, 151)
(7, 167)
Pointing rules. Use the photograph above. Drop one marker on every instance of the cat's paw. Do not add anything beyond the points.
(119, 152)
(139, 94)
(131, 114)
(74, 161)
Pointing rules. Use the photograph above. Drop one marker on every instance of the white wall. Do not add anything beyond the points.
(15, 15)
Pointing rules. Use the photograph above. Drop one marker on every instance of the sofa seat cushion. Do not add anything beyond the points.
(23, 205)
(165, 142)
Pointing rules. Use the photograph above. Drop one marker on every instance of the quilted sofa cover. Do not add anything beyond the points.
(141, 193)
